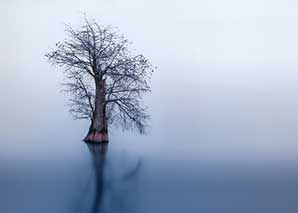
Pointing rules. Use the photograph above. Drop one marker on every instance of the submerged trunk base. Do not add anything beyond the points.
(98, 130)
(97, 137)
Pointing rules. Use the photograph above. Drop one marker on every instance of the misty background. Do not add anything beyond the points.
(223, 107)
(225, 87)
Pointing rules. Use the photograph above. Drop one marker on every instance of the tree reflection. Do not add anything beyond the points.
(98, 153)
(114, 181)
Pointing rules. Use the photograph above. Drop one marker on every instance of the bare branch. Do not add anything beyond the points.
(93, 53)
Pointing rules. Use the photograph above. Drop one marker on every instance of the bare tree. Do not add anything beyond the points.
(106, 80)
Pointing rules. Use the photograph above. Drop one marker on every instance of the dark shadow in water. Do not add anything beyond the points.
(113, 182)
(98, 153)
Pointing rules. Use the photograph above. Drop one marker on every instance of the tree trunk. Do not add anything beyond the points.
(98, 131)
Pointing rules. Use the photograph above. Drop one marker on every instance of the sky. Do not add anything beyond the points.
(226, 79)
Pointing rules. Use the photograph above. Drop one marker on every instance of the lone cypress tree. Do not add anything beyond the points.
(106, 80)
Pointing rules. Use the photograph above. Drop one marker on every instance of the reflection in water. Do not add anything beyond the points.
(110, 180)
(114, 180)
(98, 152)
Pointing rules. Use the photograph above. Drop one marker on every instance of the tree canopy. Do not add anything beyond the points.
(94, 53)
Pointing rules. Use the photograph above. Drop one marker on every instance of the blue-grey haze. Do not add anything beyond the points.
(224, 110)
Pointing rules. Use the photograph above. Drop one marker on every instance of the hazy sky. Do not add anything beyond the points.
(226, 79)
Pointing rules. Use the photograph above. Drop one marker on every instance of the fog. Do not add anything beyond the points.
(225, 85)
(223, 107)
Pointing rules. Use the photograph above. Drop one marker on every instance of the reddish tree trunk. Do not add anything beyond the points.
(98, 131)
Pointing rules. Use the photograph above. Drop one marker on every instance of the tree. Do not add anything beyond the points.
(106, 80)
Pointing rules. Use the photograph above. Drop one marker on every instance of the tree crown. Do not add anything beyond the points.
(94, 53)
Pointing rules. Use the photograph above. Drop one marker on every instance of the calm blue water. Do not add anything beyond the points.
(133, 177)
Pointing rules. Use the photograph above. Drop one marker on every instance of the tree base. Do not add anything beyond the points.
(97, 137)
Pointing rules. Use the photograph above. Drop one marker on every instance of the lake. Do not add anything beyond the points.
(139, 176)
